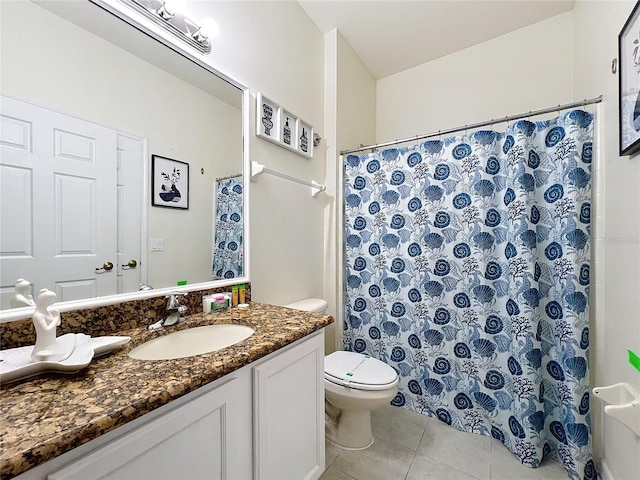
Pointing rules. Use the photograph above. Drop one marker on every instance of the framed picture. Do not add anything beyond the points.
(169, 183)
(268, 118)
(629, 88)
(278, 125)
(305, 138)
(288, 129)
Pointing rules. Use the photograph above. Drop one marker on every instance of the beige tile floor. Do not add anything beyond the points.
(410, 446)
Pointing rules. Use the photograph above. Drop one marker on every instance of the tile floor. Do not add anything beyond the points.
(410, 446)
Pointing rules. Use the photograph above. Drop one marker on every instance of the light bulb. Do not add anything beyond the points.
(208, 27)
(180, 22)
(174, 6)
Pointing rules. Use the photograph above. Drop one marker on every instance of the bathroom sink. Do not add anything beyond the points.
(193, 341)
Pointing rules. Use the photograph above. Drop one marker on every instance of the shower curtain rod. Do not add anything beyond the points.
(228, 177)
(472, 126)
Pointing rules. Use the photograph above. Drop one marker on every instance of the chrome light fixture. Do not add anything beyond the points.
(173, 22)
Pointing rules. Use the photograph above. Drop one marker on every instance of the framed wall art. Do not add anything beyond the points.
(288, 128)
(282, 127)
(268, 115)
(629, 83)
(305, 138)
(169, 183)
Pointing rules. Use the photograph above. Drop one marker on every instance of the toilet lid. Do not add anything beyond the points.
(362, 372)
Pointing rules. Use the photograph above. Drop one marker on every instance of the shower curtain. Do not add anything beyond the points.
(467, 270)
(227, 243)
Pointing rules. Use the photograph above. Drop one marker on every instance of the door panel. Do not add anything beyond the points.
(17, 224)
(74, 289)
(15, 133)
(75, 215)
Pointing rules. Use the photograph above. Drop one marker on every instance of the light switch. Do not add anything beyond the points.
(157, 245)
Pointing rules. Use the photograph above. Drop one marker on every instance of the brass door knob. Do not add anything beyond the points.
(130, 264)
(106, 266)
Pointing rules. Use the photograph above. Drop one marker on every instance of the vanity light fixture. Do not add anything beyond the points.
(164, 14)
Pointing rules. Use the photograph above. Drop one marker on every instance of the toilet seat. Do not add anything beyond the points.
(358, 371)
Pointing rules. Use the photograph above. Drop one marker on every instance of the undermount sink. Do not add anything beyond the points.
(193, 341)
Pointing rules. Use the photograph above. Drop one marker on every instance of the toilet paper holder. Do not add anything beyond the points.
(623, 404)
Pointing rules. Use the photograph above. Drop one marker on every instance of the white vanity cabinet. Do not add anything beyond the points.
(289, 413)
(208, 437)
(263, 421)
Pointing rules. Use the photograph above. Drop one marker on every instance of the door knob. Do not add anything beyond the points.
(106, 266)
(130, 264)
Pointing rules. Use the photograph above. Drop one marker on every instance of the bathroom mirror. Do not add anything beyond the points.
(104, 89)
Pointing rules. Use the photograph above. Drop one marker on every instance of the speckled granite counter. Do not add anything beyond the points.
(51, 414)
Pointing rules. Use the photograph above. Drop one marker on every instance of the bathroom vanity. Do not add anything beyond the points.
(251, 410)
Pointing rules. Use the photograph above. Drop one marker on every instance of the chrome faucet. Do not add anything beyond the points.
(177, 310)
(176, 314)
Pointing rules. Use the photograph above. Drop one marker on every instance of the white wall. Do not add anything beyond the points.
(58, 65)
(275, 48)
(525, 70)
(350, 92)
(617, 319)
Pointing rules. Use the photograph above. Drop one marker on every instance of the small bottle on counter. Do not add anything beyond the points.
(234, 295)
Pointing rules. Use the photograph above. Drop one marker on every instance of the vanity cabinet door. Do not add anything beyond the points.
(289, 412)
(208, 437)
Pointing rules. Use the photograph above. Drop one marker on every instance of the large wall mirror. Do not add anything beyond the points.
(96, 114)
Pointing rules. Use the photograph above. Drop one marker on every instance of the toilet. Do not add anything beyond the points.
(354, 384)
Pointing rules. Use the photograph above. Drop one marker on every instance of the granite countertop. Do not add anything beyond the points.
(53, 413)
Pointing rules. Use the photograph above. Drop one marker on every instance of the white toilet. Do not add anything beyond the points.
(354, 384)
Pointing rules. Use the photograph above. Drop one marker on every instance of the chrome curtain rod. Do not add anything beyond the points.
(229, 177)
(472, 126)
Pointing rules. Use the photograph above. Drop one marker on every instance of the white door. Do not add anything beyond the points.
(130, 168)
(58, 201)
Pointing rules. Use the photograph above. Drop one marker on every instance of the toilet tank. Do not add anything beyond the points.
(318, 305)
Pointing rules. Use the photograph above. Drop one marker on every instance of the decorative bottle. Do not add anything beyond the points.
(286, 137)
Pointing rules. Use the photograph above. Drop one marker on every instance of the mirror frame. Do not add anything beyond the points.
(137, 21)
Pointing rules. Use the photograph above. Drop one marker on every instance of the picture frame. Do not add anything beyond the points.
(305, 139)
(267, 118)
(169, 183)
(289, 129)
(629, 83)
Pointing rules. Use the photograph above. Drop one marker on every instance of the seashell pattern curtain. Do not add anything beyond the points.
(467, 270)
(227, 243)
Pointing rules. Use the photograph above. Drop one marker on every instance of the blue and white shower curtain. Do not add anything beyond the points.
(228, 245)
(467, 270)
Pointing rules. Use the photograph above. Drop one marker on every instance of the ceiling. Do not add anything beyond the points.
(390, 36)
